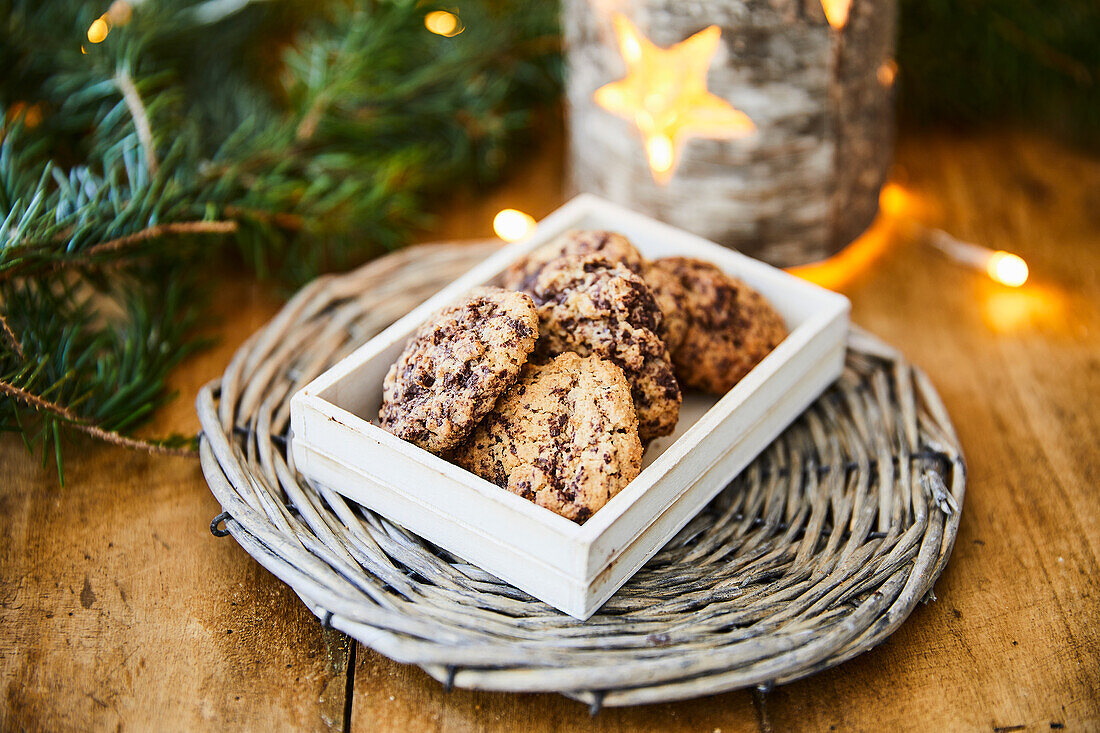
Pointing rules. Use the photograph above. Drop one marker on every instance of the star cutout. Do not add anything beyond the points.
(664, 93)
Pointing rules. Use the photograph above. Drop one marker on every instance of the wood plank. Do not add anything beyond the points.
(119, 609)
(1014, 638)
(395, 697)
(162, 594)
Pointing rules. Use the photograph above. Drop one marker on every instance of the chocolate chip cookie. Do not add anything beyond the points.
(565, 436)
(456, 366)
(613, 247)
(669, 293)
(720, 327)
(589, 305)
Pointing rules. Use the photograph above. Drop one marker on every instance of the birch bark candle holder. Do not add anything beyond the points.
(813, 80)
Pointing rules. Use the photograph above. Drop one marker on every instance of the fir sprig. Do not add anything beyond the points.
(128, 167)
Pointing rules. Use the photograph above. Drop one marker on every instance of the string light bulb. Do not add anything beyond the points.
(512, 225)
(1003, 267)
(899, 208)
(442, 23)
(98, 30)
(1007, 268)
(893, 200)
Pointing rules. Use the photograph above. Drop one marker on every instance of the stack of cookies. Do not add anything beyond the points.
(551, 385)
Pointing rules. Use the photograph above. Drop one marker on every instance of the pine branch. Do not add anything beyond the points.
(1024, 61)
(140, 117)
(162, 230)
(78, 423)
(315, 136)
(13, 340)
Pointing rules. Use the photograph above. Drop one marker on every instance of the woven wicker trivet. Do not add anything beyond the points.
(817, 552)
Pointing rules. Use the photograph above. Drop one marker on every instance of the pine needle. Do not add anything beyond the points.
(298, 137)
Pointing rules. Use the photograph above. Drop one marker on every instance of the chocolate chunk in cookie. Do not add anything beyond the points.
(589, 305)
(565, 437)
(669, 293)
(613, 247)
(719, 328)
(456, 366)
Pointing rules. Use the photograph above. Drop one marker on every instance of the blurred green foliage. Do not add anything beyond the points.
(295, 136)
(975, 62)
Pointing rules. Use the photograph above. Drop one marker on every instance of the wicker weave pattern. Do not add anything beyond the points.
(817, 552)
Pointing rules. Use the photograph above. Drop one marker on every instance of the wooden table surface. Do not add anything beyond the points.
(119, 609)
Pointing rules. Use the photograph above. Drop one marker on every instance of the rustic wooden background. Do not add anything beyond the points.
(118, 609)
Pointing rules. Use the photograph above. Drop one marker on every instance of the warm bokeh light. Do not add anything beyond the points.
(443, 23)
(898, 219)
(630, 44)
(120, 12)
(660, 153)
(1015, 310)
(664, 93)
(98, 30)
(836, 12)
(31, 115)
(895, 205)
(1002, 267)
(843, 267)
(887, 73)
(512, 225)
(1007, 269)
(893, 200)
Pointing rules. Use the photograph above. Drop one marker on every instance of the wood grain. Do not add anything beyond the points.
(118, 608)
(1014, 638)
(116, 603)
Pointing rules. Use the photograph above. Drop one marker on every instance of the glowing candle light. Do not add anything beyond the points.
(659, 151)
(887, 73)
(1003, 267)
(443, 23)
(836, 12)
(98, 30)
(664, 93)
(512, 225)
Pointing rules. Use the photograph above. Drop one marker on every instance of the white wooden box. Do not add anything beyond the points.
(335, 439)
